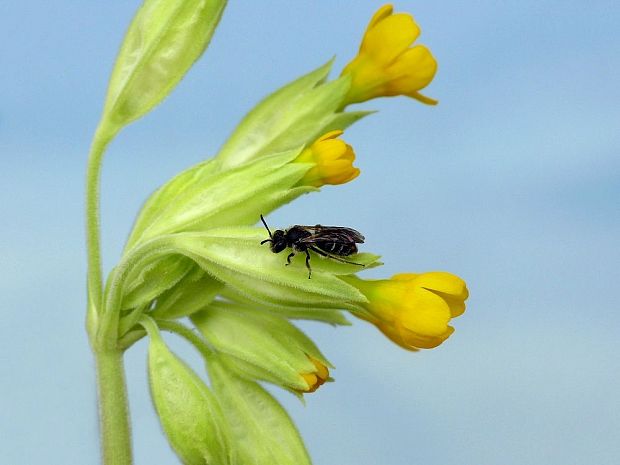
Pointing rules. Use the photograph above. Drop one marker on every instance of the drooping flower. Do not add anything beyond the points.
(387, 64)
(333, 161)
(263, 346)
(413, 310)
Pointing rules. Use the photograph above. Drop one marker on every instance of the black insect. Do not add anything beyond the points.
(329, 241)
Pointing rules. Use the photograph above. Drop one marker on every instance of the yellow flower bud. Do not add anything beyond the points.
(386, 64)
(316, 378)
(333, 161)
(414, 310)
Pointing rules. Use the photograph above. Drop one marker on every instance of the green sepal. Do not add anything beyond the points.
(194, 292)
(275, 349)
(298, 113)
(325, 315)
(150, 279)
(262, 431)
(207, 198)
(235, 256)
(166, 196)
(163, 41)
(190, 414)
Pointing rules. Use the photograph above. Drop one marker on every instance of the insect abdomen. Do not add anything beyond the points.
(337, 248)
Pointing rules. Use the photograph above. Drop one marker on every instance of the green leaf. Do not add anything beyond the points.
(194, 292)
(278, 351)
(262, 431)
(163, 41)
(189, 413)
(295, 115)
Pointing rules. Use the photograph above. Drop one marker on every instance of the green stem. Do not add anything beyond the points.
(93, 243)
(113, 408)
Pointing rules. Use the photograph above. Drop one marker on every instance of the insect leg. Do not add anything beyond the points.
(288, 259)
(308, 263)
(325, 254)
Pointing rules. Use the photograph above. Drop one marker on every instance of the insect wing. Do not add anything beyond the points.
(335, 234)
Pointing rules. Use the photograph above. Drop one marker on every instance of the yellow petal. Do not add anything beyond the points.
(389, 38)
(330, 135)
(414, 70)
(443, 282)
(417, 341)
(425, 313)
(382, 13)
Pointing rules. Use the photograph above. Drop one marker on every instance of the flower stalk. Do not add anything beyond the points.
(113, 408)
(93, 242)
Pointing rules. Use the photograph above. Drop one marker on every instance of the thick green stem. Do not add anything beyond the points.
(113, 408)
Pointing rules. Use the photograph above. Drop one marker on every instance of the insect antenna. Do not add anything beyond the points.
(270, 235)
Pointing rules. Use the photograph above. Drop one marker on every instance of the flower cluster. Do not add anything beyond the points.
(195, 252)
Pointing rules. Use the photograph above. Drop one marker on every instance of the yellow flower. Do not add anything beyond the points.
(386, 65)
(414, 310)
(317, 377)
(333, 159)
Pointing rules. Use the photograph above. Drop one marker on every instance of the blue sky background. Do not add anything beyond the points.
(512, 182)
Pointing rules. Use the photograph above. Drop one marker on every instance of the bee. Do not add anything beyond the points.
(329, 241)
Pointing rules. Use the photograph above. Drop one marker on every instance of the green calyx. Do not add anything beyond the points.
(262, 432)
(298, 113)
(260, 345)
(163, 41)
(189, 413)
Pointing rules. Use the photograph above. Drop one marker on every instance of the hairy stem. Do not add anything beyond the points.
(113, 408)
(93, 243)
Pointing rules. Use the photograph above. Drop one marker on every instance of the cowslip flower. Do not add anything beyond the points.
(413, 310)
(333, 161)
(204, 196)
(263, 346)
(387, 64)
